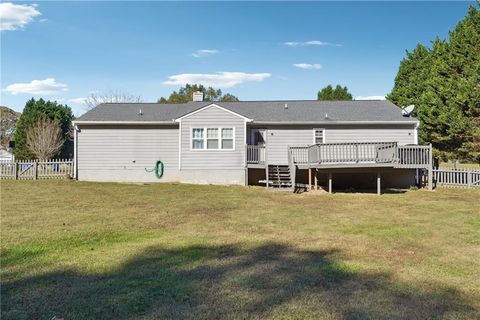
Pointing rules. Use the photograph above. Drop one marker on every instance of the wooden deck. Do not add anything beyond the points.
(349, 155)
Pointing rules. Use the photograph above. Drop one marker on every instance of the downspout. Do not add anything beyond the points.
(415, 141)
(245, 141)
(75, 152)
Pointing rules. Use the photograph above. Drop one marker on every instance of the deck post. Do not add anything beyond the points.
(315, 179)
(430, 169)
(329, 182)
(379, 183)
(266, 166)
(309, 178)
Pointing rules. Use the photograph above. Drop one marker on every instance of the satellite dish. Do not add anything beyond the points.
(407, 110)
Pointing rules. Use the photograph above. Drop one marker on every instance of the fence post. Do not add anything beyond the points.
(469, 179)
(16, 170)
(35, 170)
(430, 168)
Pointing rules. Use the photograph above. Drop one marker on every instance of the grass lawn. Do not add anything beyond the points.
(78, 250)
(460, 165)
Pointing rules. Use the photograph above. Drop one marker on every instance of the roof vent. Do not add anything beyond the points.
(198, 96)
(140, 113)
(286, 106)
(326, 115)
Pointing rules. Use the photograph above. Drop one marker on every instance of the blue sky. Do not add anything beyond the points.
(257, 51)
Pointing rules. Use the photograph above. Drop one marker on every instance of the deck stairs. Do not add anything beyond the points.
(279, 176)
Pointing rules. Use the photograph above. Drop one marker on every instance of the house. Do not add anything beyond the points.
(274, 143)
(6, 155)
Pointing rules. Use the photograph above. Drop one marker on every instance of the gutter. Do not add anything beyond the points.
(334, 122)
(252, 122)
(123, 122)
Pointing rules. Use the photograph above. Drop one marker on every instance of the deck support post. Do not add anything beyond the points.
(309, 178)
(315, 179)
(330, 182)
(266, 176)
(379, 183)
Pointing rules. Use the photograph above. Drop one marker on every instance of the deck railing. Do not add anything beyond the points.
(413, 156)
(362, 152)
(299, 154)
(352, 152)
(255, 154)
(36, 169)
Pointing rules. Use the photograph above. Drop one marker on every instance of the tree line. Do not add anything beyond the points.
(443, 82)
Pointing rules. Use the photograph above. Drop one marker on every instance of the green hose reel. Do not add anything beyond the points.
(159, 169)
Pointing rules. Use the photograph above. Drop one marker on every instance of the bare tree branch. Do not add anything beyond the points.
(110, 96)
(45, 138)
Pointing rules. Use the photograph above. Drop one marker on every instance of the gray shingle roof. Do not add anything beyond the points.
(259, 111)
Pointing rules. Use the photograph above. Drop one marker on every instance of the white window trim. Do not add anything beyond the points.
(205, 139)
(323, 134)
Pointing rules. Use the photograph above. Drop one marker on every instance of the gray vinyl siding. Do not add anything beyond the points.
(281, 136)
(213, 117)
(403, 134)
(122, 153)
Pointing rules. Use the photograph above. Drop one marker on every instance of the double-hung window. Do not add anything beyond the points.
(212, 139)
(319, 136)
(198, 138)
(227, 138)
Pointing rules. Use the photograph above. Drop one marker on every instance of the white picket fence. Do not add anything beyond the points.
(457, 178)
(36, 169)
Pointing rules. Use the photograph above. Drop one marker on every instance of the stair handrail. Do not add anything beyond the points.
(291, 166)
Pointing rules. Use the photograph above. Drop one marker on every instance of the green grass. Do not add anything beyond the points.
(78, 250)
(460, 165)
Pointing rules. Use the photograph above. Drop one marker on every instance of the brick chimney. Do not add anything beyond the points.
(198, 96)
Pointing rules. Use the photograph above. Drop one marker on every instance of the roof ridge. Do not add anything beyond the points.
(287, 100)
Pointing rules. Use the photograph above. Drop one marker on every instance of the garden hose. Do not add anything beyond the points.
(159, 169)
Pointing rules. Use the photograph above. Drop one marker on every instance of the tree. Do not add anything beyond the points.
(34, 110)
(45, 138)
(339, 93)
(185, 94)
(111, 96)
(444, 83)
(8, 121)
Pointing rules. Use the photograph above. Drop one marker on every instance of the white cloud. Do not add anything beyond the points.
(306, 43)
(78, 101)
(204, 53)
(16, 16)
(46, 86)
(308, 66)
(218, 79)
(370, 98)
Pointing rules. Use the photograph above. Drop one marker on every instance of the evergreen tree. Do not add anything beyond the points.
(185, 94)
(339, 93)
(444, 83)
(33, 111)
